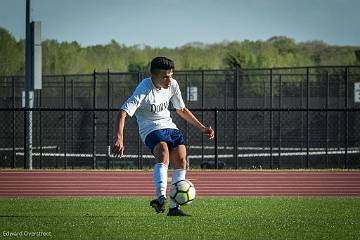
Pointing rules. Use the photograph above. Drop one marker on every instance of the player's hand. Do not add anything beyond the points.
(209, 132)
(118, 149)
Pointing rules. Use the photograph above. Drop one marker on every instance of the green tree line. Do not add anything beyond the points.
(71, 57)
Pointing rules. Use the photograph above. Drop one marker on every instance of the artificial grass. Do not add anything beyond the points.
(213, 218)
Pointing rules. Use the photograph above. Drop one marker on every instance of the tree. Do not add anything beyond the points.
(71, 57)
(357, 55)
(11, 54)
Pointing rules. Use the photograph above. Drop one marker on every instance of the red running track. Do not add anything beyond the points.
(207, 183)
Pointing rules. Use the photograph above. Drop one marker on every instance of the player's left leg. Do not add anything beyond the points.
(178, 160)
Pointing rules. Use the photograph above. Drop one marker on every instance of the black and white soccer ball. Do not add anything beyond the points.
(183, 192)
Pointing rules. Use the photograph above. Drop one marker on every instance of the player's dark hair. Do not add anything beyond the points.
(161, 63)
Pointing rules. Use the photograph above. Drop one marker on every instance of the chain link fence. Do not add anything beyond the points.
(304, 117)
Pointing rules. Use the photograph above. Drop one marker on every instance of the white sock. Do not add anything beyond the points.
(160, 179)
(178, 174)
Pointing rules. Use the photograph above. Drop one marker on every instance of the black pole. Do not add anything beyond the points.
(139, 139)
(25, 129)
(264, 141)
(13, 124)
(236, 82)
(65, 125)
(112, 117)
(226, 113)
(40, 129)
(307, 117)
(94, 121)
(202, 112)
(108, 120)
(338, 120)
(72, 121)
(29, 85)
(187, 105)
(346, 116)
(140, 146)
(271, 120)
(327, 120)
(72, 117)
(302, 117)
(279, 119)
(216, 139)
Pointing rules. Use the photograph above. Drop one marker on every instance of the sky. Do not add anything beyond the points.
(173, 23)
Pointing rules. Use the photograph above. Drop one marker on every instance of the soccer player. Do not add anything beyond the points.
(149, 102)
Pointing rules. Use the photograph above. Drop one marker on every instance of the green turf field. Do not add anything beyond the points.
(213, 218)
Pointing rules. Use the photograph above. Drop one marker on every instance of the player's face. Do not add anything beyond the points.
(164, 77)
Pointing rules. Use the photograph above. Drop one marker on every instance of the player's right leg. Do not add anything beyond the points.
(161, 154)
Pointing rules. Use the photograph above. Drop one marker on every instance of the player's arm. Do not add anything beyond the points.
(127, 109)
(190, 118)
(118, 149)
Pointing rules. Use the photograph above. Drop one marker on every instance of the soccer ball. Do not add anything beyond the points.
(183, 192)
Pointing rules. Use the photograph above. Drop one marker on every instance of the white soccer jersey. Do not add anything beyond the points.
(150, 106)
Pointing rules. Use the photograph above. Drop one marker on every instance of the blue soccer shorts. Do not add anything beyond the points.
(173, 138)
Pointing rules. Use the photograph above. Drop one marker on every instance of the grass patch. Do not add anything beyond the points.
(213, 218)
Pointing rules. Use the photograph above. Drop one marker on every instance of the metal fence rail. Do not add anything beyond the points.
(303, 117)
(235, 146)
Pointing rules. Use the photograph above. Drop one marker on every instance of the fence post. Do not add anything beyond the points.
(327, 120)
(264, 139)
(226, 113)
(346, 116)
(40, 127)
(271, 120)
(65, 125)
(216, 138)
(202, 112)
(72, 118)
(13, 122)
(94, 120)
(279, 119)
(112, 117)
(236, 82)
(338, 118)
(307, 117)
(302, 117)
(108, 120)
(25, 136)
(187, 124)
(139, 139)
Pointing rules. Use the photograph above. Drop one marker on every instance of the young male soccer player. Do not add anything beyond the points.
(149, 103)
